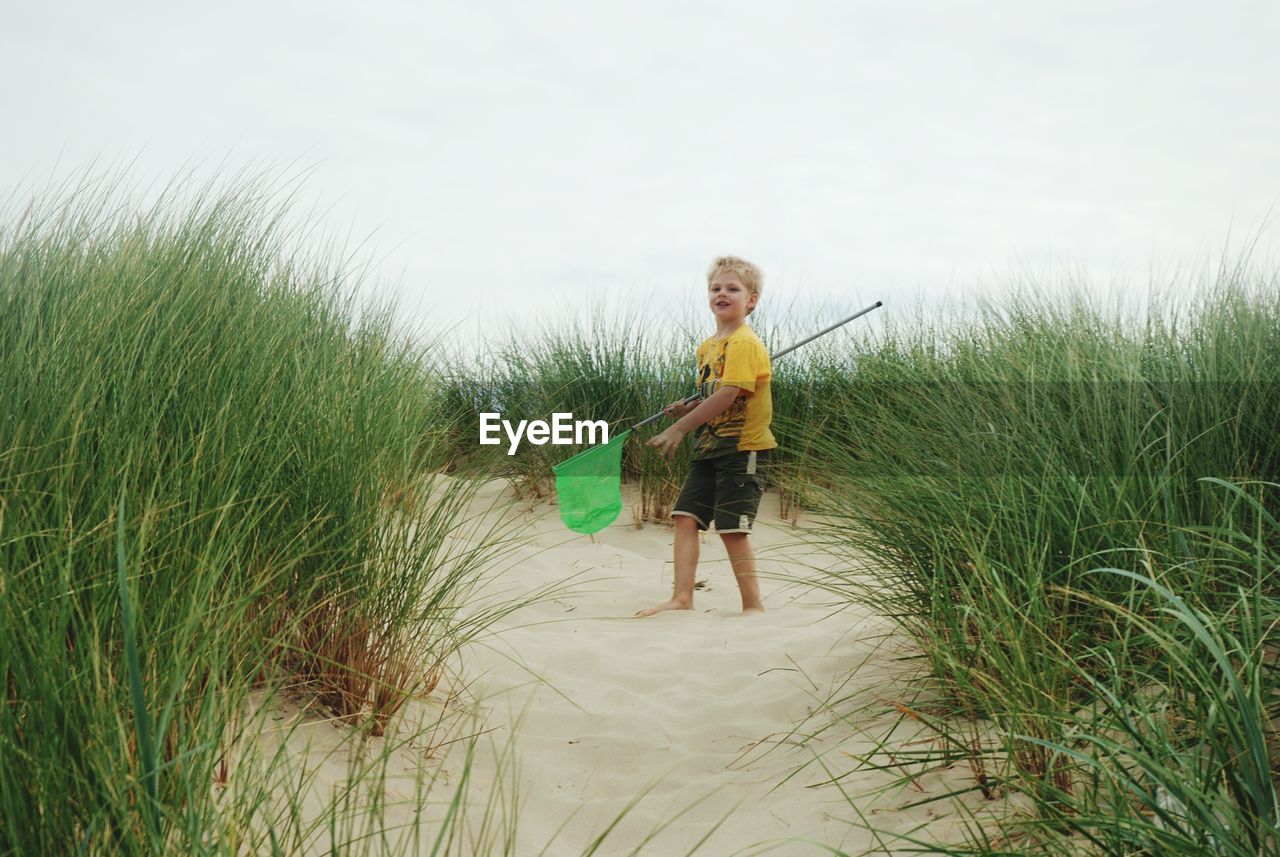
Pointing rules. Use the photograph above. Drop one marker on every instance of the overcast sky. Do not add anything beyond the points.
(521, 156)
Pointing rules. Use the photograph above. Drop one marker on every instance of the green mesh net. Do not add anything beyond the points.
(589, 486)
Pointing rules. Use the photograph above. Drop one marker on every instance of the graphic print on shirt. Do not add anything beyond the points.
(724, 430)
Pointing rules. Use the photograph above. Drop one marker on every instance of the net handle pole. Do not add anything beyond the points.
(775, 356)
(647, 420)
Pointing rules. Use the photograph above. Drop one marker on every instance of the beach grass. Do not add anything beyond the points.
(607, 366)
(1065, 506)
(215, 481)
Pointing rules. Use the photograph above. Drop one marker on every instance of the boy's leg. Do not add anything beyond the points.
(686, 565)
(743, 560)
(691, 512)
(739, 486)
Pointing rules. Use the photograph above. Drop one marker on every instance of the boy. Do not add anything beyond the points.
(723, 485)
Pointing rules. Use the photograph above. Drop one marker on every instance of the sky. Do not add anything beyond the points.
(523, 159)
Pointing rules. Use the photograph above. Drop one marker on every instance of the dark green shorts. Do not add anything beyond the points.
(724, 490)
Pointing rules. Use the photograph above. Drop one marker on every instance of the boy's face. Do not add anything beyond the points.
(730, 299)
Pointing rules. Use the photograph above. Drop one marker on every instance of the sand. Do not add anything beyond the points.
(658, 732)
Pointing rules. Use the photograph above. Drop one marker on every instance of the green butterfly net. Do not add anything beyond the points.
(589, 486)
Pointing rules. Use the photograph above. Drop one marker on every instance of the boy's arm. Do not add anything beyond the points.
(712, 406)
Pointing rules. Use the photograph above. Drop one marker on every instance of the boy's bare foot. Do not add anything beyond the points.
(752, 611)
(673, 604)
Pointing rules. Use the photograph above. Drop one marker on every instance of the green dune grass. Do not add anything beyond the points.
(213, 481)
(995, 467)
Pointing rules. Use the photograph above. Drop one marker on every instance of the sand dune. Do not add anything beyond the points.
(698, 708)
(684, 725)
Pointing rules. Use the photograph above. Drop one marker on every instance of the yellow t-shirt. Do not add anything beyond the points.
(738, 360)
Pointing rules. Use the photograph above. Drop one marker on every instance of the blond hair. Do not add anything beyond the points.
(748, 273)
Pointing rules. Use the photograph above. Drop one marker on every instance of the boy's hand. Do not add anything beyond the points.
(668, 441)
(717, 404)
(679, 408)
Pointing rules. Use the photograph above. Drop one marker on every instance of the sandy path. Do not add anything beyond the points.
(691, 712)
